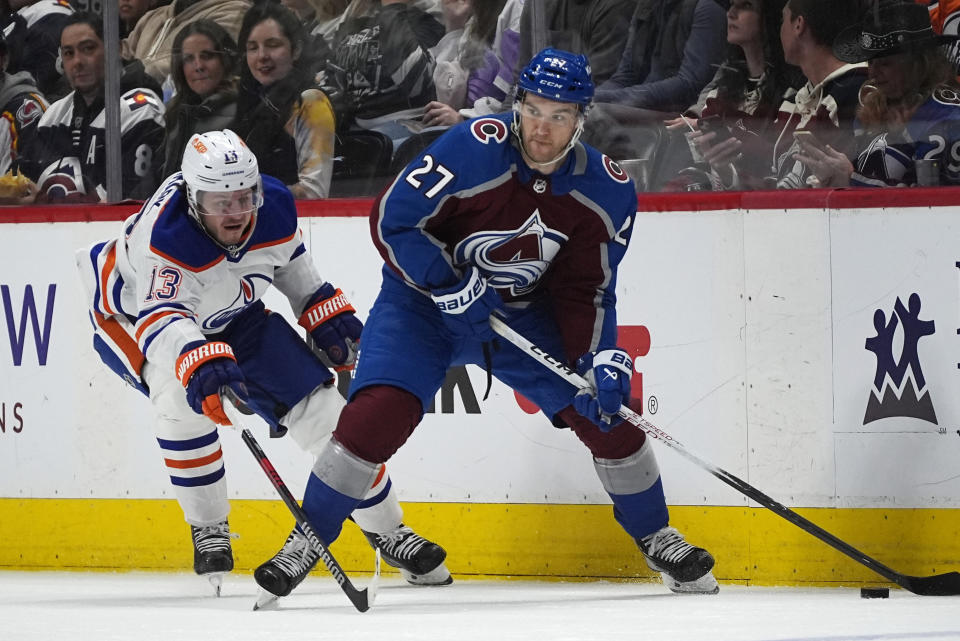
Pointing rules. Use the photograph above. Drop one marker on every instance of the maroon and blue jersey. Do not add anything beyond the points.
(932, 133)
(470, 199)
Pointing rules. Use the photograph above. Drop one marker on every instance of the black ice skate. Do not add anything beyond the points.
(286, 570)
(420, 561)
(683, 567)
(212, 554)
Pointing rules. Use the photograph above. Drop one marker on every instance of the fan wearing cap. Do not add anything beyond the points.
(176, 303)
(510, 214)
(908, 121)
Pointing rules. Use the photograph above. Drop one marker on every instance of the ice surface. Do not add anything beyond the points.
(68, 606)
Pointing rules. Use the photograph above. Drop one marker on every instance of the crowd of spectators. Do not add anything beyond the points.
(335, 96)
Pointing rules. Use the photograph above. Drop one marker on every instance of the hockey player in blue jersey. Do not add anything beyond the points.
(509, 214)
(177, 311)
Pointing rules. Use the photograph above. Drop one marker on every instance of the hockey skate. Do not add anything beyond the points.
(685, 569)
(212, 554)
(288, 568)
(420, 561)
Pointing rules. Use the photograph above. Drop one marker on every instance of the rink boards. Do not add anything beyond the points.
(768, 338)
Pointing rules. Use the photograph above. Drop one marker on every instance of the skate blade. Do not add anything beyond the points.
(266, 601)
(375, 581)
(216, 580)
(439, 575)
(704, 585)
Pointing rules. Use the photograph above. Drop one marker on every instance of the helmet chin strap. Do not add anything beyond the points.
(515, 127)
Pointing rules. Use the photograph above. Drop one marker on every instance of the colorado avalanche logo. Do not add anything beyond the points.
(514, 259)
(29, 112)
(245, 297)
(614, 170)
(487, 129)
(62, 180)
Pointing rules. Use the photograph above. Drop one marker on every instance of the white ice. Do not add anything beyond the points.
(71, 606)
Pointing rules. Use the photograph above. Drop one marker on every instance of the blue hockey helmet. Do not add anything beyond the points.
(558, 75)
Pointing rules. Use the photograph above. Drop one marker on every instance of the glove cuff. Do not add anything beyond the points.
(456, 299)
(322, 311)
(189, 361)
(616, 358)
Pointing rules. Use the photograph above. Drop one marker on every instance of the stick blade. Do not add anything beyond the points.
(947, 584)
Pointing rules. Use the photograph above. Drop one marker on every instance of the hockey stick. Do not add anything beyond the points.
(361, 599)
(947, 584)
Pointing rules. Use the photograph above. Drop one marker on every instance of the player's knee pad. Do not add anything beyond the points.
(377, 421)
(630, 475)
(345, 472)
(312, 420)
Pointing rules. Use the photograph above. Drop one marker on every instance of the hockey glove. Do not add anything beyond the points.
(466, 306)
(333, 326)
(608, 372)
(205, 367)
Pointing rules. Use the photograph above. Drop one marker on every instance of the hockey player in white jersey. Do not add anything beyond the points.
(177, 311)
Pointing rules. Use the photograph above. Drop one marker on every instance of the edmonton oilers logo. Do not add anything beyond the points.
(899, 387)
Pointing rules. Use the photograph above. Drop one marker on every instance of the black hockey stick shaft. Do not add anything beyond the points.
(361, 599)
(947, 584)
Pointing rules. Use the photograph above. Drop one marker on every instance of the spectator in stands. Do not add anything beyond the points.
(67, 159)
(204, 74)
(466, 64)
(945, 20)
(741, 102)
(32, 30)
(285, 120)
(130, 12)
(152, 39)
(22, 105)
(320, 19)
(596, 28)
(908, 121)
(670, 55)
(824, 107)
(381, 72)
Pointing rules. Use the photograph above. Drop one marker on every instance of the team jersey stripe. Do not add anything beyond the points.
(187, 266)
(122, 340)
(272, 243)
(148, 321)
(110, 261)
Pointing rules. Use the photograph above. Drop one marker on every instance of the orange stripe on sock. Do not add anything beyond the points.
(380, 475)
(194, 462)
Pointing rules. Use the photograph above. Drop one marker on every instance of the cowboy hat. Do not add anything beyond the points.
(891, 27)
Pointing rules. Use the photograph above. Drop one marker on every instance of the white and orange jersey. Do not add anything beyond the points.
(167, 280)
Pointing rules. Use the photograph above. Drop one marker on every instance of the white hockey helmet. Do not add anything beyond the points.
(219, 161)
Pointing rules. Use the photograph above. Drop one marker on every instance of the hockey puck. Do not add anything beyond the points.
(874, 593)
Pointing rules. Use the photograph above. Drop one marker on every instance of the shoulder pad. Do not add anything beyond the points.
(277, 218)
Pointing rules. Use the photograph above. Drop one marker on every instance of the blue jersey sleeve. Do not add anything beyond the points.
(467, 159)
